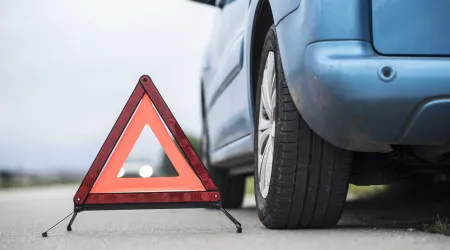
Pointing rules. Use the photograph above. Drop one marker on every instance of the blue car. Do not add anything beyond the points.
(311, 95)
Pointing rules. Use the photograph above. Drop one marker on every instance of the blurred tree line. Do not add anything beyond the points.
(6, 178)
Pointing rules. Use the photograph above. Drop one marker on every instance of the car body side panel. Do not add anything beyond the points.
(231, 135)
(225, 129)
(224, 51)
(224, 86)
(230, 65)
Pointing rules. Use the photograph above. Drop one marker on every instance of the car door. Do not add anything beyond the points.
(225, 100)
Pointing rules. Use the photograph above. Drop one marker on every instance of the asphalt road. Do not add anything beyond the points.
(25, 213)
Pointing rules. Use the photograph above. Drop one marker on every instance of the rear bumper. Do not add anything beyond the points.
(347, 101)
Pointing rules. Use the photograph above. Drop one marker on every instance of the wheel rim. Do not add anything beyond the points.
(266, 125)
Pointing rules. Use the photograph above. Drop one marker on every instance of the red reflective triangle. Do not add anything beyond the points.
(108, 182)
(101, 185)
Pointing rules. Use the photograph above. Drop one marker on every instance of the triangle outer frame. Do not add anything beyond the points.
(145, 86)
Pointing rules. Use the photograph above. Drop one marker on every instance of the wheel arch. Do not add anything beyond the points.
(267, 13)
(262, 22)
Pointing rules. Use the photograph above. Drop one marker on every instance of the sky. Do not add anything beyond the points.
(68, 67)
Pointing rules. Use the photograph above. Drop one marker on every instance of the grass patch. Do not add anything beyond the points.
(366, 191)
(249, 186)
(359, 191)
(439, 226)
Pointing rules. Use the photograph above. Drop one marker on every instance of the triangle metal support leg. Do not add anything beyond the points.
(69, 227)
(45, 234)
(229, 216)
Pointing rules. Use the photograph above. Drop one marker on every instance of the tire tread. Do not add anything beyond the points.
(309, 177)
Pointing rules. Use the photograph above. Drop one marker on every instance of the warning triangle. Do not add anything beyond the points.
(108, 182)
(104, 185)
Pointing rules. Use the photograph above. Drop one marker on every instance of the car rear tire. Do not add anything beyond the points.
(231, 187)
(301, 181)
